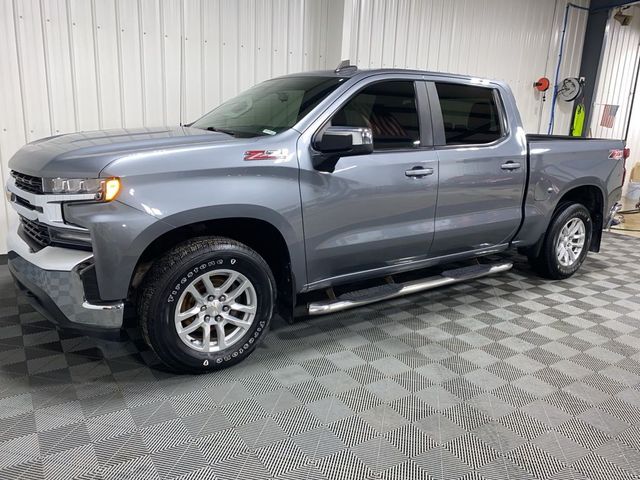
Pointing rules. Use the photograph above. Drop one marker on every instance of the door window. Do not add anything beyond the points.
(389, 110)
(470, 114)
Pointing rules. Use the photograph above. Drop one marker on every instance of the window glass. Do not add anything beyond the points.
(469, 113)
(389, 110)
(269, 107)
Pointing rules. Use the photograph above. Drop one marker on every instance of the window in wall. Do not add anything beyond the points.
(470, 114)
(389, 110)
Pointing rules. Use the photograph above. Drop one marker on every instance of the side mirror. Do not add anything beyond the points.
(336, 142)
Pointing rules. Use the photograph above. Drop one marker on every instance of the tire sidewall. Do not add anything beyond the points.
(561, 219)
(163, 334)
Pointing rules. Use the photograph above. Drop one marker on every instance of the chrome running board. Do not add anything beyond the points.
(366, 296)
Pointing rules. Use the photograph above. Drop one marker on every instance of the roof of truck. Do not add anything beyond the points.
(352, 72)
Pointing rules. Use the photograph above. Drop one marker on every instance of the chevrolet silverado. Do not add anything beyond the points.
(307, 194)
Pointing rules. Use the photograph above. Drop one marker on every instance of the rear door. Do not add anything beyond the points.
(375, 212)
(482, 168)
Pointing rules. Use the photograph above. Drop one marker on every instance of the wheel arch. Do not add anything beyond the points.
(590, 195)
(275, 242)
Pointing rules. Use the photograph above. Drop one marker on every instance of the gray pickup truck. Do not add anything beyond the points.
(307, 194)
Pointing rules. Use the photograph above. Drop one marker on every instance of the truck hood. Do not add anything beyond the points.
(85, 154)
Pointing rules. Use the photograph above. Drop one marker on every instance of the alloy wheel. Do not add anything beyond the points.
(215, 310)
(570, 242)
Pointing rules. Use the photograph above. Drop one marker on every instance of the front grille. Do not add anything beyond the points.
(37, 233)
(27, 182)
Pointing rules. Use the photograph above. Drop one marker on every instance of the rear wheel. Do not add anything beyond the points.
(206, 304)
(566, 242)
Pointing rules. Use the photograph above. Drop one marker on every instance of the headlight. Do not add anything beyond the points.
(105, 189)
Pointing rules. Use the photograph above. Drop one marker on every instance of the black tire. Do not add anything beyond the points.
(546, 263)
(173, 272)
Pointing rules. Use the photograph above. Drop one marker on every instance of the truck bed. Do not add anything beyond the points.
(561, 163)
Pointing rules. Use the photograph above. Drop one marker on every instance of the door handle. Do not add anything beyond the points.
(510, 166)
(419, 172)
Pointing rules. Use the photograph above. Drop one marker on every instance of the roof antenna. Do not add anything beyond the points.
(345, 65)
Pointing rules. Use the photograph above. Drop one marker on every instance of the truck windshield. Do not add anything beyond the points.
(269, 107)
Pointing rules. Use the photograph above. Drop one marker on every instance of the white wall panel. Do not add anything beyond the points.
(108, 69)
(193, 22)
(34, 77)
(516, 41)
(211, 52)
(152, 64)
(246, 44)
(77, 65)
(12, 121)
(84, 67)
(58, 65)
(130, 62)
(172, 67)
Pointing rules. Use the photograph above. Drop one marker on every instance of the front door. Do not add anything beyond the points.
(482, 169)
(374, 212)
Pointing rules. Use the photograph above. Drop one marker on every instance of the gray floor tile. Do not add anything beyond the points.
(509, 377)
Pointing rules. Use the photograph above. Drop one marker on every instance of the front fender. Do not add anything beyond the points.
(289, 225)
(151, 205)
(120, 235)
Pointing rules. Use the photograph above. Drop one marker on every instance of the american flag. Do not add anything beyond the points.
(608, 116)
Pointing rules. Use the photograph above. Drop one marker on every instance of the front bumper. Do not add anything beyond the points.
(53, 285)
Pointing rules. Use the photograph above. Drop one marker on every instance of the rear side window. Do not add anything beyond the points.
(389, 110)
(470, 114)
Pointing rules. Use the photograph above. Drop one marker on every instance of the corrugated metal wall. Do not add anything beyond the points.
(516, 41)
(617, 74)
(70, 65)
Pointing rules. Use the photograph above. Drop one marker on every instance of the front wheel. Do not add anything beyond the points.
(206, 304)
(566, 242)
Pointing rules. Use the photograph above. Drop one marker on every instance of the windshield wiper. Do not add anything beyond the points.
(222, 130)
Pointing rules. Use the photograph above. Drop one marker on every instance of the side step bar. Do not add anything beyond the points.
(366, 296)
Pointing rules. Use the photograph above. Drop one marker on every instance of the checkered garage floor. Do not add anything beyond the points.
(506, 377)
